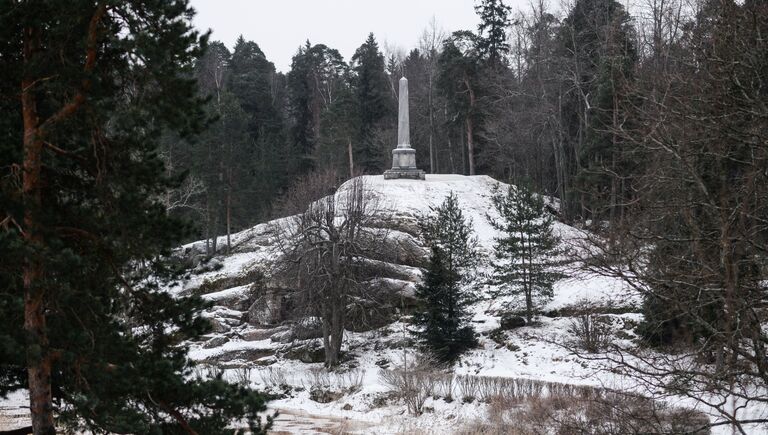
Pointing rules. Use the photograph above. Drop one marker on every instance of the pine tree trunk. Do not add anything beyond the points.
(470, 126)
(351, 158)
(470, 147)
(37, 352)
(432, 157)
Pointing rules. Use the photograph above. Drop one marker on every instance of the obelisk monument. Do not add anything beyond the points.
(403, 157)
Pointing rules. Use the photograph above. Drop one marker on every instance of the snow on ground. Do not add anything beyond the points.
(531, 352)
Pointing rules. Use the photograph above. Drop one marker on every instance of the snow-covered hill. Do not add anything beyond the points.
(247, 336)
(255, 342)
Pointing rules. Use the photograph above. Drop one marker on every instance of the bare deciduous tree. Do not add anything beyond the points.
(695, 246)
(324, 252)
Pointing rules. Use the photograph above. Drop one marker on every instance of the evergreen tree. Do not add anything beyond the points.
(451, 233)
(492, 31)
(375, 104)
(459, 80)
(596, 42)
(262, 168)
(322, 107)
(340, 124)
(444, 316)
(526, 254)
(452, 264)
(88, 89)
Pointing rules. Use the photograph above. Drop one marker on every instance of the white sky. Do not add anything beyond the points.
(281, 26)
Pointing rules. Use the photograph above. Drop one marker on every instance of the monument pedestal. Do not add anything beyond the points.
(413, 174)
(404, 165)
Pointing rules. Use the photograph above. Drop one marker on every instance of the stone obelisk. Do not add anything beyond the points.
(403, 157)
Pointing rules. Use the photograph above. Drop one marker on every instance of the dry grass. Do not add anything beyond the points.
(610, 414)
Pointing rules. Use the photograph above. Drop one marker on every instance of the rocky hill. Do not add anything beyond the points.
(251, 312)
(257, 339)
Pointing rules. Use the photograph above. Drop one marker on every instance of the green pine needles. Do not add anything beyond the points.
(526, 254)
(452, 263)
(87, 90)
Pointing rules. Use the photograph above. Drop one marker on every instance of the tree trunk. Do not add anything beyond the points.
(470, 126)
(37, 352)
(337, 334)
(351, 158)
(326, 337)
(470, 147)
(229, 218)
(432, 162)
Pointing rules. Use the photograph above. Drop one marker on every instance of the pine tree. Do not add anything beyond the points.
(459, 80)
(494, 21)
(375, 104)
(452, 264)
(443, 319)
(85, 327)
(597, 36)
(525, 255)
(323, 108)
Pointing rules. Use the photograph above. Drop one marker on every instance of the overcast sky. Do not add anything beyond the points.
(281, 26)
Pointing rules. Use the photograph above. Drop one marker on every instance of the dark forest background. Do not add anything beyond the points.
(568, 100)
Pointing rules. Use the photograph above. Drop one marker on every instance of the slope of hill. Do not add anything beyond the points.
(257, 340)
(254, 340)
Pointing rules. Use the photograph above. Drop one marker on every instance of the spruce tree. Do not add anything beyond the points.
(525, 255)
(443, 319)
(453, 261)
(494, 21)
(323, 108)
(260, 168)
(88, 88)
(375, 104)
(448, 230)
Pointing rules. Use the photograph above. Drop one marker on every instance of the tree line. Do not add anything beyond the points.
(540, 95)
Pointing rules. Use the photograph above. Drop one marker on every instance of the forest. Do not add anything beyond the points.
(584, 102)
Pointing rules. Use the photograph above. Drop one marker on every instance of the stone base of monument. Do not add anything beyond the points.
(404, 164)
(414, 174)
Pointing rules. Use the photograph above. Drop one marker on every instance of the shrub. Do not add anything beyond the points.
(413, 383)
(592, 332)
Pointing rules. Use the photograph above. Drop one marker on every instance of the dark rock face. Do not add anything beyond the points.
(306, 354)
(219, 325)
(321, 395)
(215, 342)
(367, 315)
(245, 354)
(508, 322)
(267, 309)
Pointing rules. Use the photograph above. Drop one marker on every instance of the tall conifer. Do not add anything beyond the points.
(375, 104)
(87, 88)
(452, 263)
